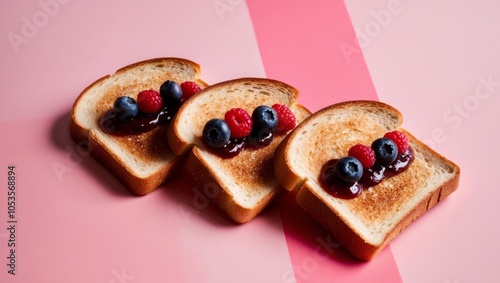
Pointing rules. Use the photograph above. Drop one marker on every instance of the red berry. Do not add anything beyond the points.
(400, 139)
(286, 118)
(364, 154)
(189, 88)
(239, 121)
(149, 101)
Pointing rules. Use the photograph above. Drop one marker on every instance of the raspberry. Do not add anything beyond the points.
(149, 101)
(239, 121)
(286, 118)
(189, 88)
(400, 139)
(364, 154)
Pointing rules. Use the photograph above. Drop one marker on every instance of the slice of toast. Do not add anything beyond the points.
(140, 161)
(367, 223)
(243, 185)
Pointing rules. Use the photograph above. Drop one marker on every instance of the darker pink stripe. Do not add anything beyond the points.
(312, 46)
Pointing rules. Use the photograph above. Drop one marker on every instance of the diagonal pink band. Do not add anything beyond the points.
(313, 46)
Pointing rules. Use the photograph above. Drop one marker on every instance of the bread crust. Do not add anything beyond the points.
(216, 190)
(100, 150)
(180, 144)
(326, 211)
(252, 170)
(345, 234)
(286, 174)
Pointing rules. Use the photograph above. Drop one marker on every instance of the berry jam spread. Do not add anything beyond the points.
(371, 177)
(239, 130)
(235, 146)
(143, 122)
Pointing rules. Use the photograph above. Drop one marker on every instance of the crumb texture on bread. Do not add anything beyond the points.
(143, 155)
(246, 180)
(251, 170)
(380, 212)
(246, 93)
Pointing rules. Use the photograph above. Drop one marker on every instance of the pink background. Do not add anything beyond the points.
(436, 62)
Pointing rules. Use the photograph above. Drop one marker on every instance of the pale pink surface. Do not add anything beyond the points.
(430, 60)
(85, 227)
(76, 222)
(86, 40)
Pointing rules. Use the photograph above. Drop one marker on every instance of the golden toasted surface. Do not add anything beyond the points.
(140, 156)
(251, 172)
(376, 214)
(151, 146)
(247, 179)
(246, 93)
(378, 207)
(129, 81)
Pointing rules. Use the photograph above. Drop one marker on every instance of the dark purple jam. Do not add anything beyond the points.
(141, 123)
(371, 177)
(235, 146)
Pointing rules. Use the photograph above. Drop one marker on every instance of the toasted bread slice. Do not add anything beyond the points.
(144, 161)
(243, 185)
(367, 223)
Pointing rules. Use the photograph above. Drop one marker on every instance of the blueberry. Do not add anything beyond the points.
(171, 93)
(265, 118)
(349, 169)
(125, 107)
(216, 133)
(386, 150)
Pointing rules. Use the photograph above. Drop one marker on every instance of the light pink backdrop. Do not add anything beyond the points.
(436, 62)
(430, 61)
